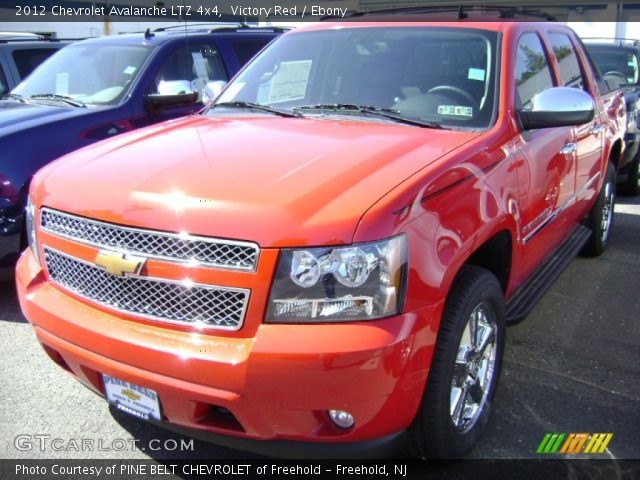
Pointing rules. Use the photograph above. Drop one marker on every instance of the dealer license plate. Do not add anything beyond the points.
(130, 398)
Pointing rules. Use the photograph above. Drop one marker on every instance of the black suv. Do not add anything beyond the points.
(21, 53)
(619, 61)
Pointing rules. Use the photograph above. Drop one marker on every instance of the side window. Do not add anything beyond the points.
(532, 69)
(188, 70)
(28, 59)
(565, 54)
(4, 85)
(246, 50)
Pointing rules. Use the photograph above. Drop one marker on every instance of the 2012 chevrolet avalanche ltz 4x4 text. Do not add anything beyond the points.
(326, 259)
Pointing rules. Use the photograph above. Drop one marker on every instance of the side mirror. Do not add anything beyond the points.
(558, 107)
(174, 93)
(212, 90)
(174, 87)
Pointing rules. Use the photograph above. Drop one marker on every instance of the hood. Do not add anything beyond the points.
(276, 181)
(16, 116)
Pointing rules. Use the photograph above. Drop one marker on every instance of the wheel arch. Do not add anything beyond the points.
(615, 154)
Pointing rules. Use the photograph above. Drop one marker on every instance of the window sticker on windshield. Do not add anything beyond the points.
(62, 83)
(200, 66)
(455, 110)
(476, 74)
(290, 81)
(130, 70)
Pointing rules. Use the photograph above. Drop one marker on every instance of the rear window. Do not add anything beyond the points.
(28, 59)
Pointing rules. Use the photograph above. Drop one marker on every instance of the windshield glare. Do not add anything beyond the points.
(94, 75)
(433, 74)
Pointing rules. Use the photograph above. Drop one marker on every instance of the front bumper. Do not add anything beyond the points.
(275, 385)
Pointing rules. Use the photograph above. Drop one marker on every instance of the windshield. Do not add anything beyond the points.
(441, 75)
(621, 65)
(91, 74)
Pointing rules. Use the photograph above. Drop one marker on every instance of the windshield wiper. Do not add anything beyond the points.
(15, 96)
(256, 106)
(381, 112)
(63, 98)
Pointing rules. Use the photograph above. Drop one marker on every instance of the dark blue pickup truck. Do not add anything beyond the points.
(619, 61)
(98, 88)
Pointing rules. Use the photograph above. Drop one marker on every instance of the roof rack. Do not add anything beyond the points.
(43, 39)
(221, 27)
(504, 12)
(182, 26)
(21, 37)
(616, 40)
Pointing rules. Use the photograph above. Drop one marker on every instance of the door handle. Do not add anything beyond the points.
(568, 149)
(597, 130)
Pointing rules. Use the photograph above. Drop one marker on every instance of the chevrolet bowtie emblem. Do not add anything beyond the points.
(131, 395)
(118, 263)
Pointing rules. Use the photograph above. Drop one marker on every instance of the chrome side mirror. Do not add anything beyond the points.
(173, 93)
(558, 107)
(174, 87)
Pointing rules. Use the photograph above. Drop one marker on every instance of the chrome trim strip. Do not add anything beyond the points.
(195, 238)
(199, 327)
(560, 209)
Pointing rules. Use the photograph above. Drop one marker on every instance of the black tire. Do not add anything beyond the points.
(600, 219)
(434, 433)
(631, 186)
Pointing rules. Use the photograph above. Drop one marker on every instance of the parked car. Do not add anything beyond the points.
(324, 261)
(619, 60)
(99, 88)
(21, 53)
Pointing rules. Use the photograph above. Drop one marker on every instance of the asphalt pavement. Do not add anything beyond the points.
(572, 366)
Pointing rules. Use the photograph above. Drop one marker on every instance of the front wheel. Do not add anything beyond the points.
(600, 219)
(465, 368)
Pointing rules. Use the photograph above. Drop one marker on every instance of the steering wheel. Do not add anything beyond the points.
(616, 73)
(451, 88)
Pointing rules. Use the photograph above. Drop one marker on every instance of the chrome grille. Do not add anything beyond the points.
(173, 247)
(204, 306)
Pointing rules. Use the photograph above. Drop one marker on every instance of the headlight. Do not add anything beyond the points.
(334, 284)
(30, 216)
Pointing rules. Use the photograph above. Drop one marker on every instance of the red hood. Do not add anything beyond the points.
(275, 181)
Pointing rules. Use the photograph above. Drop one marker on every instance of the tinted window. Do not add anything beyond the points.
(27, 60)
(617, 64)
(436, 74)
(532, 69)
(565, 54)
(4, 85)
(188, 70)
(245, 51)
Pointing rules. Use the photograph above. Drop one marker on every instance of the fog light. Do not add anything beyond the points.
(341, 418)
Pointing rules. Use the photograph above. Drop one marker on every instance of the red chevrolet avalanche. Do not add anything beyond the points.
(324, 262)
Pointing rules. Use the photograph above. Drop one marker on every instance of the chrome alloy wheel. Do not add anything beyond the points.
(607, 211)
(474, 368)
